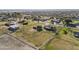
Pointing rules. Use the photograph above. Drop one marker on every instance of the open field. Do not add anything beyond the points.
(29, 34)
(65, 42)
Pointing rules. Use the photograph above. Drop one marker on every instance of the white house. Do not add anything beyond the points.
(55, 21)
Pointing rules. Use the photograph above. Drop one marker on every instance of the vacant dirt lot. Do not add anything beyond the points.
(8, 42)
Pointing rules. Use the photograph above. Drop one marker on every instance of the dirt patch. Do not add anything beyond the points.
(61, 44)
(8, 42)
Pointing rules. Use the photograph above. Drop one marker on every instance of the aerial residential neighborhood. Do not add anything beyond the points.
(39, 29)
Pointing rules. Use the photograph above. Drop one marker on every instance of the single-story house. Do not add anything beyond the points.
(77, 25)
(41, 19)
(55, 21)
(13, 28)
(50, 28)
(76, 34)
(68, 21)
(71, 25)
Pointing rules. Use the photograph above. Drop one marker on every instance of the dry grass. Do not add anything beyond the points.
(2, 28)
(63, 42)
(33, 36)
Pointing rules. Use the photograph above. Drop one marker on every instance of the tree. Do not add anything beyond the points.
(17, 15)
(64, 30)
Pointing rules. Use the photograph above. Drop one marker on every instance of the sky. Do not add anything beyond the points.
(39, 4)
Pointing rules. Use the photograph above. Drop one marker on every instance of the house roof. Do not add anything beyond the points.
(14, 26)
(56, 20)
(76, 33)
(77, 24)
(68, 20)
(71, 25)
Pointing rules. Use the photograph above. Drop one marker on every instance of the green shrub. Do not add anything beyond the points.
(64, 31)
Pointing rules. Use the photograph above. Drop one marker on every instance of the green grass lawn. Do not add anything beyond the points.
(75, 21)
